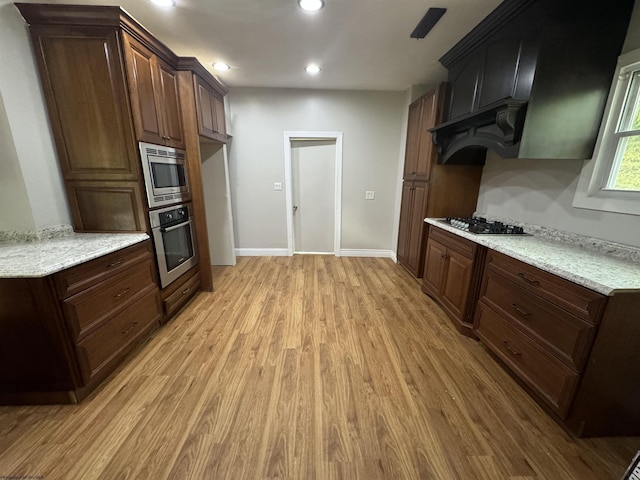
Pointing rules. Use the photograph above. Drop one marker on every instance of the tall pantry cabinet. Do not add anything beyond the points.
(429, 189)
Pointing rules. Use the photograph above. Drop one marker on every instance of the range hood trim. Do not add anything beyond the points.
(508, 115)
(544, 53)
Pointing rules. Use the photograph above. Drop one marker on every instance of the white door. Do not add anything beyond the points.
(313, 192)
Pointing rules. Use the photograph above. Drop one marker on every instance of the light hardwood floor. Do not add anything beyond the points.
(306, 367)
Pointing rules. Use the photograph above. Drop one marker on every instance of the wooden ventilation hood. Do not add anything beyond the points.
(531, 81)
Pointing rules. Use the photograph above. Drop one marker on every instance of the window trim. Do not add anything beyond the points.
(591, 192)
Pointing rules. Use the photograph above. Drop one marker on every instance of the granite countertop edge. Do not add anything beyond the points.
(572, 262)
(35, 259)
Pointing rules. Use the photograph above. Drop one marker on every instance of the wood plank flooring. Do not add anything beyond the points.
(306, 367)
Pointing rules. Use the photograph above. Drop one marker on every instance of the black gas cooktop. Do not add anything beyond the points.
(481, 225)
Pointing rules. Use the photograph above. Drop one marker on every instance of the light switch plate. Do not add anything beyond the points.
(277, 186)
(369, 195)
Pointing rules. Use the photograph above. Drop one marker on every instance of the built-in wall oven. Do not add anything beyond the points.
(165, 175)
(174, 240)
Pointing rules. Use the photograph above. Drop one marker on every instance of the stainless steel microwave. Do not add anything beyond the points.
(165, 174)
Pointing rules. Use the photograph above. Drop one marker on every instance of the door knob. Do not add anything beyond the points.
(295, 207)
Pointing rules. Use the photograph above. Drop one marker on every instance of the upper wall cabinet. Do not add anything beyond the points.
(423, 114)
(84, 85)
(108, 83)
(154, 96)
(531, 81)
(209, 98)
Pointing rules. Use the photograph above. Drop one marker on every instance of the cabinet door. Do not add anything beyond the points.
(218, 108)
(415, 251)
(405, 221)
(434, 267)
(429, 119)
(413, 139)
(84, 85)
(464, 80)
(145, 104)
(204, 108)
(107, 206)
(456, 284)
(170, 105)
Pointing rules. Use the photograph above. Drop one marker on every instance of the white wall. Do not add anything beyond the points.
(27, 143)
(541, 191)
(372, 127)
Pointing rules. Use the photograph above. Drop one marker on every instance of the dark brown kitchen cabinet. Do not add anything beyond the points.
(210, 108)
(108, 84)
(180, 292)
(452, 274)
(423, 114)
(155, 102)
(78, 325)
(84, 85)
(571, 347)
(429, 190)
(412, 227)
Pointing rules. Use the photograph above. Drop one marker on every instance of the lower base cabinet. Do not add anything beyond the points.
(61, 335)
(178, 293)
(572, 348)
(451, 276)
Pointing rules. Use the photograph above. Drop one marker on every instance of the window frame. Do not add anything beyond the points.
(592, 191)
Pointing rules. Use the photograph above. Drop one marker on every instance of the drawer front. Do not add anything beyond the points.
(565, 335)
(582, 302)
(181, 296)
(85, 311)
(104, 347)
(75, 279)
(455, 242)
(552, 380)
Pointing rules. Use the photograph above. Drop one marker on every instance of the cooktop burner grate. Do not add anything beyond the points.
(481, 225)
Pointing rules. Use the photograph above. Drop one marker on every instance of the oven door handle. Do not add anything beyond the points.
(175, 227)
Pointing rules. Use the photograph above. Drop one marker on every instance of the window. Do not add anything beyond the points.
(611, 180)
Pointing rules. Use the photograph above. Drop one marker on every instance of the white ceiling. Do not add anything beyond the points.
(360, 44)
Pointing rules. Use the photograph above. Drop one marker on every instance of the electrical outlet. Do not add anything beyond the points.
(369, 195)
(277, 186)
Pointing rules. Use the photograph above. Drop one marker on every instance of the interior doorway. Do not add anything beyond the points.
(313, 183)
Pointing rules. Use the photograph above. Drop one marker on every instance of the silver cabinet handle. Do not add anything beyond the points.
(175, 227)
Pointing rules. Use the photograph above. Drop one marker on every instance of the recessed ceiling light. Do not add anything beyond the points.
(221, 67)
(312, 69)
(165, 3)
(311, 5)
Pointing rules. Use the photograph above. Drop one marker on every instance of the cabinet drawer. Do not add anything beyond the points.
(187, 289)
(455, 242)
(565, 335)
(580, 301)
(76, 279)
(116, 337)
(553, 381)
(85, 311)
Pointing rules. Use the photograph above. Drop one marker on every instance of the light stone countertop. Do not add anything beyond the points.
(42, 258)
(595, 270)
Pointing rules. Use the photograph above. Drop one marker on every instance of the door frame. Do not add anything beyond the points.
(290, 136)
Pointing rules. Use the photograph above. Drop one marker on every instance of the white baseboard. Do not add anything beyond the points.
(262, 252)
(368, 253)
(283, 252)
